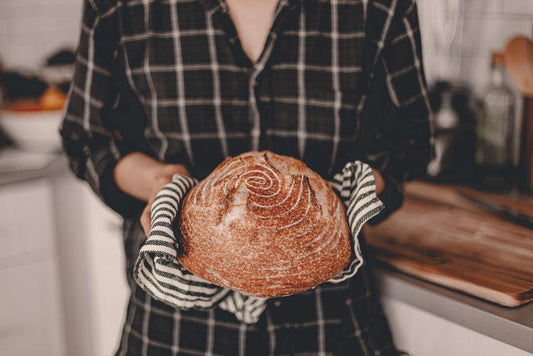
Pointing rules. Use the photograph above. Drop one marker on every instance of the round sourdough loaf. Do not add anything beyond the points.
(264, 225)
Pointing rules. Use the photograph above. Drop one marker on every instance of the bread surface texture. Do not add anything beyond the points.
(265, 225)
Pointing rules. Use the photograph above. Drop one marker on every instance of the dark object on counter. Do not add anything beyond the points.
(19, 86)
(525, 172)
(502, 211)
(454, 124)
(64, 56)
(495, 133)
(64, 87)
(5, 140)
(518, 58)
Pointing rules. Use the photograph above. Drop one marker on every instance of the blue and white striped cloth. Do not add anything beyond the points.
(158, 272)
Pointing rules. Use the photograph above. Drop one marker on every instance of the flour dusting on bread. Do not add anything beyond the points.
(265, 225)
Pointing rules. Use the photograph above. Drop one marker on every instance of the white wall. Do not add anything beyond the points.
(31, 30)
(487, 26)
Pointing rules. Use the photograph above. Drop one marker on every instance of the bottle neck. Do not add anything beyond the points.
(497, 76)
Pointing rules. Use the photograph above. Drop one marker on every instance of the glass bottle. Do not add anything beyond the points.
(495, 133)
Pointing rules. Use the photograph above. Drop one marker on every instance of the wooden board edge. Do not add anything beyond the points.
(428, 274)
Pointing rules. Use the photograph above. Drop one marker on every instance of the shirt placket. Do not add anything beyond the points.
(283, 8)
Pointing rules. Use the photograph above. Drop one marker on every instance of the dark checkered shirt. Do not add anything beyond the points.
(337, 80)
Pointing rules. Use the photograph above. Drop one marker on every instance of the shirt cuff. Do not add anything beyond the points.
(391, 197)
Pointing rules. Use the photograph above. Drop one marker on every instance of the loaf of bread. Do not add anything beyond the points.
(264, 225)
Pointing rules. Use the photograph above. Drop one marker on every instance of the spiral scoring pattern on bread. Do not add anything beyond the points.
(265, 225)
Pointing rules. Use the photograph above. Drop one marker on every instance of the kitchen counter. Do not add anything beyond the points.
(513, 326)
(53, 165)
(447, 256)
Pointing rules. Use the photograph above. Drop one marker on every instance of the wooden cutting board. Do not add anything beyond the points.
(440, 236)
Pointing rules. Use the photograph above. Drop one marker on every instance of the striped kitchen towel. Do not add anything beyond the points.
(158, 272)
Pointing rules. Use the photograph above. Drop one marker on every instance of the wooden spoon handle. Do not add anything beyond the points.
(518, 58)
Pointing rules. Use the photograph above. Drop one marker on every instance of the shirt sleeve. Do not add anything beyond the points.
(401, 147)
(89, 141)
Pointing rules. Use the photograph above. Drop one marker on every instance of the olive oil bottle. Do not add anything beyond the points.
(495, 133)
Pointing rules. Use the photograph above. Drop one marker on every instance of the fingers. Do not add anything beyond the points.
(164, 176)
(380, 182)
(179, 168)
(170, 169)
(145, 220)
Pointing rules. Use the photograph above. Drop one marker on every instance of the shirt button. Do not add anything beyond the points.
(277, 303)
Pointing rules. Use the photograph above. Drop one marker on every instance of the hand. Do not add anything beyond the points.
(163, 176)
(380, 182)
(143, 177)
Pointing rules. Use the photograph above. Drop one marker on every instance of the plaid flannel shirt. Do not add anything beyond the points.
(197, 98)
(337, 81)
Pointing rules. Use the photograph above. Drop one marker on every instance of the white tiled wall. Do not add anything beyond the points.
(31, 30)
(487, 26)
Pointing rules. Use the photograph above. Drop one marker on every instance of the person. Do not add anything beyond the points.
(176, 86)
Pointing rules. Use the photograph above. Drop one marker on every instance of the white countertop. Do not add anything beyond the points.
(513, 326)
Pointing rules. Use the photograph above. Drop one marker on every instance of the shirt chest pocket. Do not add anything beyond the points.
(318, 101)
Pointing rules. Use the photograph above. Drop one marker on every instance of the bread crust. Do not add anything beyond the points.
(265, 225)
